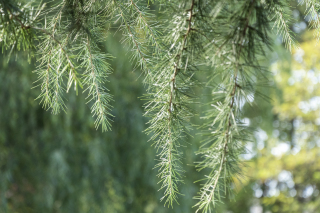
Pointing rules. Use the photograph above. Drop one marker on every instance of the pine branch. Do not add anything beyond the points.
(97, 71)
(131, 26)
(279, 13)
(149, 30)
(54, 57)
(226, 135)
(73, 73)
(168, 107)
(313, 11)
(15, 32)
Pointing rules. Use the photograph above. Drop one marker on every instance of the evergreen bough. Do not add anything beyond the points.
(224, 39)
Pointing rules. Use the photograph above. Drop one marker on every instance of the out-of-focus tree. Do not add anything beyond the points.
(284, 169)
(61, 163)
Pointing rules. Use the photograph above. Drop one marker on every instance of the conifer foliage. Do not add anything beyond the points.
(222, 39)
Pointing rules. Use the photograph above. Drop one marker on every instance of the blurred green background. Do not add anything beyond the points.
(62, 164)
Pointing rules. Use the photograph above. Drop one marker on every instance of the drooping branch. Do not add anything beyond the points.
(168, 105)
(224, 144)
